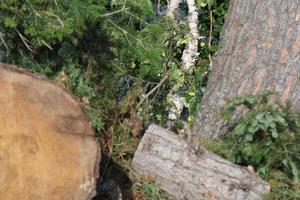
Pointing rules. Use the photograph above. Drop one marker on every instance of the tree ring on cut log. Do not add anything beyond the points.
(47, 145)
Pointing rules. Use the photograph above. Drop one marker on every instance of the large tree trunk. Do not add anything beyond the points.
(169, 161)
(260, 50)
(47, 146)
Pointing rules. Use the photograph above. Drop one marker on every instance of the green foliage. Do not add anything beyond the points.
(44, 23)
(81, 85)
(152, 192)
(110, 54)
(217, 9)
(265, 134)
(282, 187)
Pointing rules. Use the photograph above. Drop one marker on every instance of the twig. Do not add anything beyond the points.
(47, 45)
(210, 33)
(141, 43)
(136, 17)
(126, 34)
(152, 100)
(24, 40)
(158, 7)
(3, 41)
(60, 21)
(114, 12)
(122, 30)
(155, 88)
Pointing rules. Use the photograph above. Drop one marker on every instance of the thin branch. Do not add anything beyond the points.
(3, 41)
(24, 40)
(152, 100)
(114, 12)
(158, 7)
(126, 34)
(134, 16)
(47, 45)
(122, 30)
(60, 21)
(56, 4)
(141, 43)
(155, 88)
(210, 33)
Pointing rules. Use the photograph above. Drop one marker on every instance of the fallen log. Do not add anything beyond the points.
(47, 146)
(167, 159)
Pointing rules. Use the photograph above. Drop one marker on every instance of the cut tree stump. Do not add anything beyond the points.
(166, 158)
(47, 146)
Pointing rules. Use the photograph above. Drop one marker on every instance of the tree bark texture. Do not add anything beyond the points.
(167, 159)
(190, 53)
(259, 51)
(188, 59)
(47, 146)
(172, 6)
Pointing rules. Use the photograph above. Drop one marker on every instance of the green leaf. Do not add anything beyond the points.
(213, 48)
(10, 22)
(253, 128)
(259, 117)
(247, 150)
(295, 171)
(145, 70)
(249, 137)
(240, 129)
(274, 133)
(250, 100)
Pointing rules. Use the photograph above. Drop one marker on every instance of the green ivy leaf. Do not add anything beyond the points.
(250, 100)
(260, 117)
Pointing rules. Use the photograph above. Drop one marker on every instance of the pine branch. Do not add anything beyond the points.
(155, 88)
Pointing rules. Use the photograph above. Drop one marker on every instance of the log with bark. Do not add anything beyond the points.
(47, 146)
(167, 159)
(259, 51)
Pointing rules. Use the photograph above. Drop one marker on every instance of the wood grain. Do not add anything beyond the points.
(47, 146)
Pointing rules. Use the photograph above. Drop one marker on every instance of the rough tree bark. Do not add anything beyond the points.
(259, 51)
(168, 160)
(190, 53)
(172, 6)
(47, 146)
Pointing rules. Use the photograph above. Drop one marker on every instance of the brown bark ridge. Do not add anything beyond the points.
(259, 51)
(167, 159)
(47, 146)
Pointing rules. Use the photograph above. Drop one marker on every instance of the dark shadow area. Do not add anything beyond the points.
(113, 181)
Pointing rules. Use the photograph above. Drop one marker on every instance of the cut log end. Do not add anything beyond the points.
(47, 146)
(165, 157)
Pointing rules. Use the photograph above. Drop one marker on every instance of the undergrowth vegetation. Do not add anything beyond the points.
(265, 134)
(111, 54)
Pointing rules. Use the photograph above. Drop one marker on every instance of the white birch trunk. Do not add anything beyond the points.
(172, 6)
(190, 53)
(188, 59)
